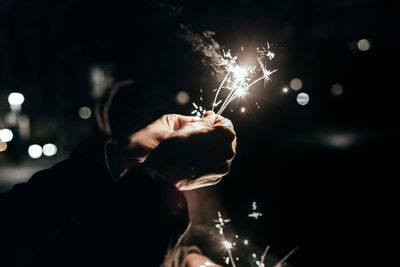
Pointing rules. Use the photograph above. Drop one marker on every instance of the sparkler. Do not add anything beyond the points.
(237, 79)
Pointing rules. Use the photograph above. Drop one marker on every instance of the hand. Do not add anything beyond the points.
(198, 154)
(134, 151)
(197, 260)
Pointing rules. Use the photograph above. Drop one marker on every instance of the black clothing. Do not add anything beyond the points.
(75, 214)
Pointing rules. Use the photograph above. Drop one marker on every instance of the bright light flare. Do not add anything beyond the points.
(35, 151)
(16, 98)
(239, 79)
(239, 73)
(227, 244)
(49, 150)
(6, 135)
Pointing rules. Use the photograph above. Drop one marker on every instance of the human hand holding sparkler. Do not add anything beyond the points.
(198, 154)
(134, 150)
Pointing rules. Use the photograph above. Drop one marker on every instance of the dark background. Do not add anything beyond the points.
(322, 174)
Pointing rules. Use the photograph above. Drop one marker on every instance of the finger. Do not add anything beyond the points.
(209, 117)
(176, 121)
(224, 121)
(181, 120)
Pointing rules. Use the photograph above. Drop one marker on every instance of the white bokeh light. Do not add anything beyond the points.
(6, 135)
(296, 84)
(49, 150)
(363, 45)
(85, 113)
(35, 151)
(302, 99)
(182, 97)
(16, 99)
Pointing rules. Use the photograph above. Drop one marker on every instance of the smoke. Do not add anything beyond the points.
(204, 43)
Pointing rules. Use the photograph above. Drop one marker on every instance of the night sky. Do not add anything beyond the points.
(323, 174)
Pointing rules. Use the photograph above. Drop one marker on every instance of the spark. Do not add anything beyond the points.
(255, 215)
(231, 258)
(199, 111)
(264, 254)
(280, 263)
(216, 104)
(221, 223)
(227, 244)
(227, 260)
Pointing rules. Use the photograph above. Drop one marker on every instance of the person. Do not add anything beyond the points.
(118, 201)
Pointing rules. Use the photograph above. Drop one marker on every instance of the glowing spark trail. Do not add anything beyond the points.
(198, 111)
(280, 263)
(255, 214)
(263, 256)
(237, 79)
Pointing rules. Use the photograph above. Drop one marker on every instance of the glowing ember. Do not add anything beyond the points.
(227, 244)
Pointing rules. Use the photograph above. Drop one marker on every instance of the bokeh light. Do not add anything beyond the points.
(6, 135)
(296, 84)
(85, 113)
(363, 45)
(182, 97)
(337, 89)
(16, 98)
(285, 90)
(3, 146)
(49, 150)
(35, 151)
(302, 99)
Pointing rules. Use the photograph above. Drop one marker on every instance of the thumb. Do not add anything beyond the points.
(176, 121)
(209, 117)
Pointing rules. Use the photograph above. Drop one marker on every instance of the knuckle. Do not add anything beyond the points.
(165, 116)
(223, 168)
(231, 153)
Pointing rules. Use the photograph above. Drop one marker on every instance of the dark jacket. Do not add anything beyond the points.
(75, 214)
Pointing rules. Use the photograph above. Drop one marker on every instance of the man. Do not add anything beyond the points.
(121, 205)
